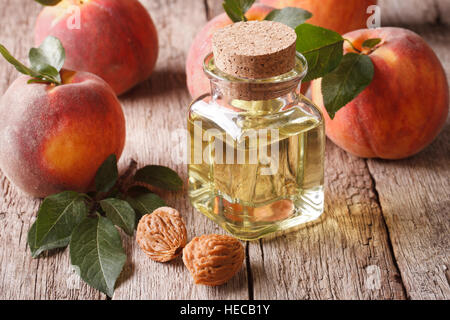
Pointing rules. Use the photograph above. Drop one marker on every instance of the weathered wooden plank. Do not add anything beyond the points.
(213, 8)
(346, 255)
(414, 12)
(21, 277)
(415, 198)
(411, 12)
(444, 11)
(154, 110)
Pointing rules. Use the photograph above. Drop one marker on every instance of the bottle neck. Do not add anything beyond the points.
(270, 97)
(255, 95)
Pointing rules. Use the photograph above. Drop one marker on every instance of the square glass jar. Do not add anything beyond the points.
(256, 153)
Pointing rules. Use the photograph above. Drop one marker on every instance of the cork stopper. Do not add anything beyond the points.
(255, 49)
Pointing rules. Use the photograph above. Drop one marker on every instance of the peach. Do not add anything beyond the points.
(54, 138)
(197, 81)
(404, 107)
(338, 15)
(115, 39)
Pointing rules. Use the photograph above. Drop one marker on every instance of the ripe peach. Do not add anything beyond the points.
(197, 81)
(54, 138)
(115, 39)
(404, 107)
(338, 15)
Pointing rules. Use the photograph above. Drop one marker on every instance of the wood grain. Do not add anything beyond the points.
(213, 8)
(410, 12)
(414, 12)
(346, 255)
(444, 11)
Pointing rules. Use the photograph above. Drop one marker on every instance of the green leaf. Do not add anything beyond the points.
(31, 240)
(322, 48)
(40, 73)
(50, 53)
(342, 85)
(107, 174)
(289, 16)
(58, 215)
(48, 59)
(370, 43)
(120, 213)
(36, 251)
(50, 73)
(16, 63)
(97, 254)
(145, 202)
(48, 2)
(159, 176)
(236, 9)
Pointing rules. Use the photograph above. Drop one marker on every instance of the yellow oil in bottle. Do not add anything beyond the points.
(256, 167)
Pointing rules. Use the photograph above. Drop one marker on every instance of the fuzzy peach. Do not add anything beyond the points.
(405, 106)
(115, 39)
(338, 15)
(54, 138)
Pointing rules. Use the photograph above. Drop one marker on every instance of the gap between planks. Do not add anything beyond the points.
(389, 239)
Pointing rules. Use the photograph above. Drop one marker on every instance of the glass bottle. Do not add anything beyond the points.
(256, 162)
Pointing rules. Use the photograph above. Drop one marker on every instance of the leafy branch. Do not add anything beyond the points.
(46, 61)
(344, 77)
(86, 222)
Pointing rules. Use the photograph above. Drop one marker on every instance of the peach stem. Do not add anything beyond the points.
(353, 47)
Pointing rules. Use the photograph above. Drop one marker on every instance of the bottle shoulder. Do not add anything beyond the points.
(237, 116)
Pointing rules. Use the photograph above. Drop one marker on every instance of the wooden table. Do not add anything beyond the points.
(384, 235)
